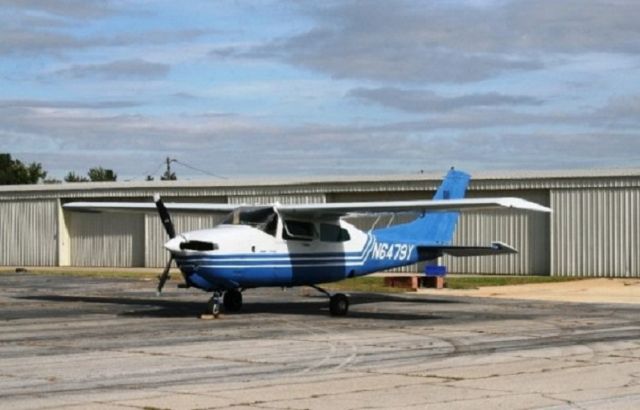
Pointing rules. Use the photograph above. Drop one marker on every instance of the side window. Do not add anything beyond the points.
(333, 233)
(303, 231)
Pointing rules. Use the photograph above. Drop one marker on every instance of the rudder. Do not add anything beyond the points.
(433, 228)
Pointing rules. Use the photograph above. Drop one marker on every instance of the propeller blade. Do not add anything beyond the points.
(164, 216)
(165, 275)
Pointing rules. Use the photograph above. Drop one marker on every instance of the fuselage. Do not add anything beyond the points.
(291, 253)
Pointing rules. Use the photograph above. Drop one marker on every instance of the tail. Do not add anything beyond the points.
(434, 228)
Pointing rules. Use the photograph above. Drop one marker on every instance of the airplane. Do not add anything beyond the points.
(284, 246)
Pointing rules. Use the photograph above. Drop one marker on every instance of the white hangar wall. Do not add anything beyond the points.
(594, 230)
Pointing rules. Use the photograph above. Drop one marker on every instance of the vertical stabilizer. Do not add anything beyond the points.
(433, 228)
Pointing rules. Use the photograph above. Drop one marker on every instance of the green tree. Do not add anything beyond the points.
(73, 177)
(100, 174)
(168, 176)
(13, 171)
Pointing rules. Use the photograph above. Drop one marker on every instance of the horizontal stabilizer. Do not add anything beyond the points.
(496, 248)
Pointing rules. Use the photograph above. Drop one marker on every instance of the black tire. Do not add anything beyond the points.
(339, 304)
(232, 300)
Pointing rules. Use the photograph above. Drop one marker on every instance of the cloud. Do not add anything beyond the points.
(421, 101)
(620, 112)
(449, 41)
(77, 9)
(232, 145)
(20, 41)
(133, 69)
(95, 105)
(327, 52)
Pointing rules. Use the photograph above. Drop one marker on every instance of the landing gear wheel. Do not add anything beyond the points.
(232, 300)
(213, 306)
(339, 304)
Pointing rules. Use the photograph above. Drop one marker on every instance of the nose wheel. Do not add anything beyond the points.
(231, 301)
(213, 306)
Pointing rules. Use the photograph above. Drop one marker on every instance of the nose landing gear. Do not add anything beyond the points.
(231, 300)
(213, 306)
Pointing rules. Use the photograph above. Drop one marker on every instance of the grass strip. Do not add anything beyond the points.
(374, 284)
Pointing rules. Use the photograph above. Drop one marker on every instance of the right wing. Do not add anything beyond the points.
(325, 210)
(336, 209)
(149, 207)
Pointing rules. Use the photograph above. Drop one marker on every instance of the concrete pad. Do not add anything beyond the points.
(94, 343)
(601, 290)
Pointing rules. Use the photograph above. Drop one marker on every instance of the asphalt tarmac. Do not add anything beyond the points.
(78, 343)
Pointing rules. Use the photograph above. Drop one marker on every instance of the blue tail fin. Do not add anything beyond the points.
(434, 228)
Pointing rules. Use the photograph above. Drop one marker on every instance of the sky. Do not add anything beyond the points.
(304, 88)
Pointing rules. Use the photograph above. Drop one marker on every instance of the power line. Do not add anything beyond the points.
(146, 174)
(199, 170)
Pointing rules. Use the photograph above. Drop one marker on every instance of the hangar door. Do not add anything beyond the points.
(28, 231)
(106, 239)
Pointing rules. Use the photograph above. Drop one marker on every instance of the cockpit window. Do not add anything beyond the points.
(264, 219)
(333, 233)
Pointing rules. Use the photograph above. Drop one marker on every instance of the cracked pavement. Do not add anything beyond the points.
(70, 342)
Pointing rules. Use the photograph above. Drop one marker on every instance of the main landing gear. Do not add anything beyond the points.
(338, 303)
(231, 300)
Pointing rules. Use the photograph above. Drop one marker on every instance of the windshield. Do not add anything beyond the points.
(264, 219)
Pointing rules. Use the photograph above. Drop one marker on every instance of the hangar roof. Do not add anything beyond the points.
(481, 180)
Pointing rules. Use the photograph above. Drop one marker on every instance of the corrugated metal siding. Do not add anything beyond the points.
(528, 232)
(106, 239)
(596, 232)
(282, 199)
(28, 233)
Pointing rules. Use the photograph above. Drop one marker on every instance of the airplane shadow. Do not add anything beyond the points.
(313, 305)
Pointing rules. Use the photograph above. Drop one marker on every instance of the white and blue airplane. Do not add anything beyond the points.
(308, 245)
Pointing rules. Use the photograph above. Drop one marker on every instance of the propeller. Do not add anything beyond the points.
(171, 231)
(164, 216)
(165, 275)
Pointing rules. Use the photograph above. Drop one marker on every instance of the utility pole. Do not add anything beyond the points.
(168, 175)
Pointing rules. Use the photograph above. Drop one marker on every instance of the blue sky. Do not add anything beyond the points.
(276, 88)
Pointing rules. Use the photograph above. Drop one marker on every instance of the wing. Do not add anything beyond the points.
(323, 210)
(357, 208)
(149, 207)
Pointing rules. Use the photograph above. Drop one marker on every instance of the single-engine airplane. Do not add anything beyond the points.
(310, 244)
